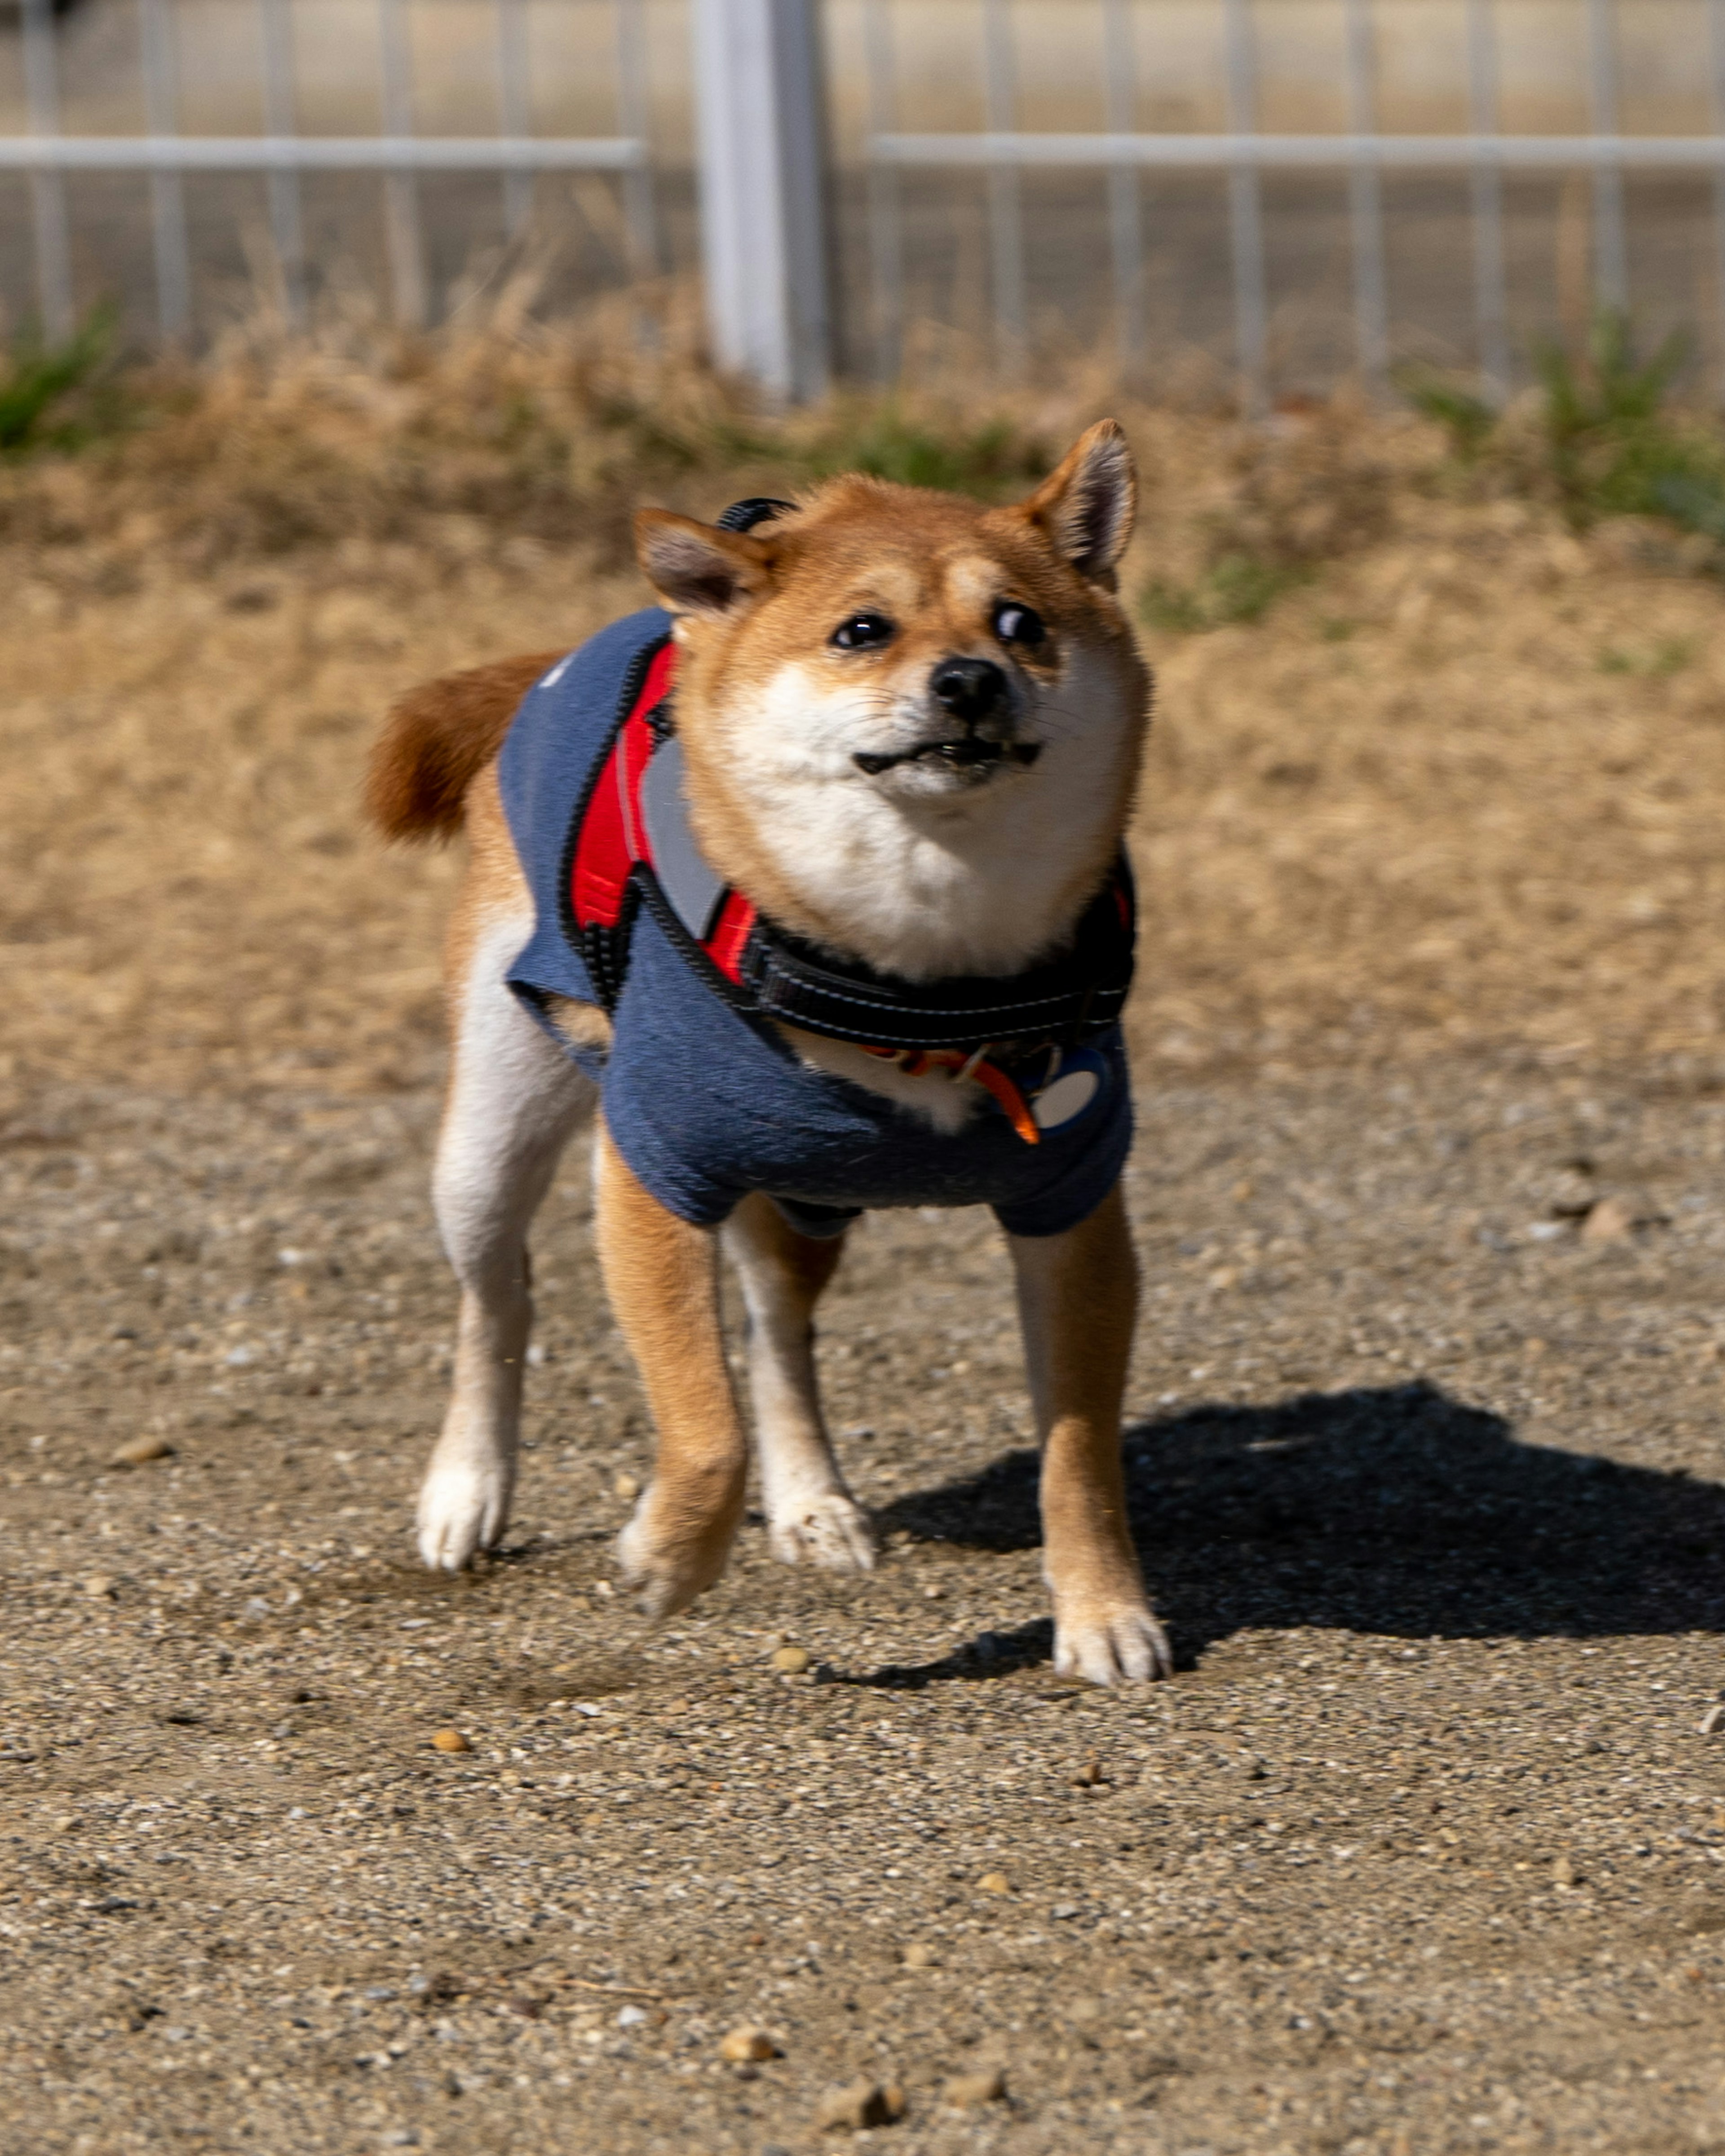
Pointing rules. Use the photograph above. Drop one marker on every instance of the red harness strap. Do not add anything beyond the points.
(613, 839)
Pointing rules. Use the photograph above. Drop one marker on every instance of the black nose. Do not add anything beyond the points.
(970, 689)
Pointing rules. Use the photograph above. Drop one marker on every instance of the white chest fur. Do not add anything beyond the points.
(980, 884)
(946, 1101)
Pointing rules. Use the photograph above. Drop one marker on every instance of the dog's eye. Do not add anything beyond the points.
(1018, 624)
(863, 632)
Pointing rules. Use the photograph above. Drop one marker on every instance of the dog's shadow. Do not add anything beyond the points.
(1399, 1512)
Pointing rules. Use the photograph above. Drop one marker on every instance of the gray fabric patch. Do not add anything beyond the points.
(684, 878)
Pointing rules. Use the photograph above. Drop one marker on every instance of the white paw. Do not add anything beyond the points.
(664, 1565)
(1122, 1646)
(463, 1506)
(830, 1530)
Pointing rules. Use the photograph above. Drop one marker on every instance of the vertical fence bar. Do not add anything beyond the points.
(885, 234)
(1490, 292)
(401, 192)
(634, 115)
(1365, 201)
(48, 189)
(1006, 225)
(762, 117)
(167, 192)
(1126, 230)
(1610, 258)
(280, 118)
(513, 110)
(1715, 83)
(1245, 213)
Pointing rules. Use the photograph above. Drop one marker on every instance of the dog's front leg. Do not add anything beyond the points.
(1077, 1302)
(662, 1275)
(513, 1100)
(810, 1514)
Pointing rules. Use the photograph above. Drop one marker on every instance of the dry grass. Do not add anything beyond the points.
(1459, 786)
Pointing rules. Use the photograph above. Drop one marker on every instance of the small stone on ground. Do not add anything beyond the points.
(140, 1451)
(859, 2106)
(746, 2045)
(968, 2091)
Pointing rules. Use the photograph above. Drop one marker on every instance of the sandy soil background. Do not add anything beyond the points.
(1458, 789)
(1421, 1849)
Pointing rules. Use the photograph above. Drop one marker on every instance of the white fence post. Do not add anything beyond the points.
(1491, 292)
(167, 190)
(759, 102)
(1245, 213)
(287, 229)
(1610, 252)
(401, 190)
(48, 186)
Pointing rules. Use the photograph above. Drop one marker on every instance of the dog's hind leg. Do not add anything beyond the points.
(513, 1099)
(1077, 1302)
(810, 1514)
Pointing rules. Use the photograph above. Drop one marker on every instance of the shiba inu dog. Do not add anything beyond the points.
(811, 880)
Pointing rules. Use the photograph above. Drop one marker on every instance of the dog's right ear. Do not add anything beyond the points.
(695, 569)
(1086, 506)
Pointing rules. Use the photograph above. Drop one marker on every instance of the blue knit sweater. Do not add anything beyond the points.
(707, 1104)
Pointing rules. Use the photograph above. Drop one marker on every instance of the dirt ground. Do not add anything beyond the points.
(1420, 1851)
(1423, 1847)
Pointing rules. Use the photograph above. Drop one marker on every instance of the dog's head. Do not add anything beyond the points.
(912, 725)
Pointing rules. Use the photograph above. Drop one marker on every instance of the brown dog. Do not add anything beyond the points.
(909, 732)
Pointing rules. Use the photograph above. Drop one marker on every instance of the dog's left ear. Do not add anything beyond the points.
(1087, 507)
(697, 568)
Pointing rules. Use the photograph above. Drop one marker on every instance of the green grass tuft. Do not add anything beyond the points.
(994, 459)
(1468, 420)
(1606, 440)
(36, 380)
(1238, 589)
(1615, 449)
(1656, 662)
(993, 462)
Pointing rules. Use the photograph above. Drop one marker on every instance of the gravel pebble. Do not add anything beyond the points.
(745, 2046)
(858, 2106)
(140, 1451)
(1612, 1220)
(967, 2092)
(731, 1846)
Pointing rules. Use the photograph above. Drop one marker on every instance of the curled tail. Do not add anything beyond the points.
(440, 736)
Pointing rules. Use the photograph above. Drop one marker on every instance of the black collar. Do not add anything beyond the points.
(1080, 988)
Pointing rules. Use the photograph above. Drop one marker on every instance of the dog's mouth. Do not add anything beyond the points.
(969, 753)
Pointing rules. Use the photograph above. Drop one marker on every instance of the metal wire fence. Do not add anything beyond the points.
(1243, 154)
(1274, 181)
(164, 154)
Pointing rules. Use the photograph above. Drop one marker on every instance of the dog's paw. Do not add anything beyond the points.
(463, 1508)
(1123, 1644)
(667, 1561)
(830, 1530)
